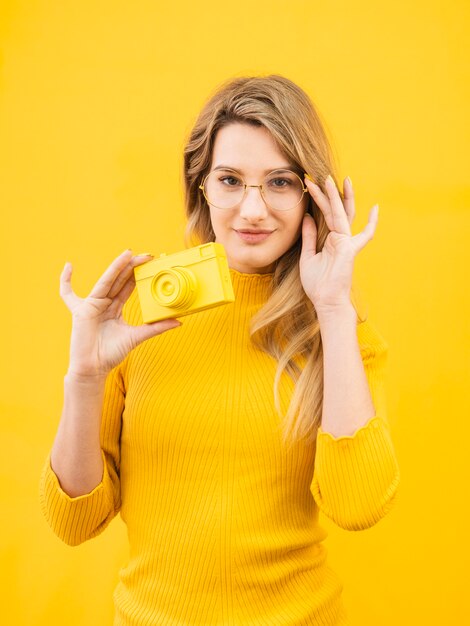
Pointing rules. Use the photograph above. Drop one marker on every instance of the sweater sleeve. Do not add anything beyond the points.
(356, 477)
(76, 519)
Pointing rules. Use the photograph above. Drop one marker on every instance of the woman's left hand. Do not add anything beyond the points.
(326, 276)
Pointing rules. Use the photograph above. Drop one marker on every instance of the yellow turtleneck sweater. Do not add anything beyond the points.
(222, 517)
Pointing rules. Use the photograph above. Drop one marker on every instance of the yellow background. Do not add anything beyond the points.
(96, 101)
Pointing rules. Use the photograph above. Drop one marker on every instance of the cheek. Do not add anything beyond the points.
(295, 227)
(215, 221)
(220, 224)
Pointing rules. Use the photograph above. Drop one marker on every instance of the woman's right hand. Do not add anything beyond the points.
(101, 338)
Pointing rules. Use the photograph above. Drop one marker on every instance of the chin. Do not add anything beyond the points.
(254, 262)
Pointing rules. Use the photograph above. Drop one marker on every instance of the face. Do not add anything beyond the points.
(253, 152)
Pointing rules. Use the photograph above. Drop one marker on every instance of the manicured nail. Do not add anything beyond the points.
(330, 178)
(349, 178)
(309, 177)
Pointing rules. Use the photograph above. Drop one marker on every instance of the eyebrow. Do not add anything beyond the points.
(272, 169)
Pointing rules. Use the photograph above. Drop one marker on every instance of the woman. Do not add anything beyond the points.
(220, 443)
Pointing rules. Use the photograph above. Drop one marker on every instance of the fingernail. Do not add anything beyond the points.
(330, 178)
(309, 177)
(144, 254)
(349, 178)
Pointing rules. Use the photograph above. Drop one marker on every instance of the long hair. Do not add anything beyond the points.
(286, 326)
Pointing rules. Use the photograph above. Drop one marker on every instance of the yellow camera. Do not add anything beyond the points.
(178, 284)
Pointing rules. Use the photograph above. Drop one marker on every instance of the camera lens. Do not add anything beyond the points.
(174, 287)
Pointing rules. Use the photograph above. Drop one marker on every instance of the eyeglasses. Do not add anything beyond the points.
(282, 190)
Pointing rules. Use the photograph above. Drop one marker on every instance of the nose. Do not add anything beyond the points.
(253, 208)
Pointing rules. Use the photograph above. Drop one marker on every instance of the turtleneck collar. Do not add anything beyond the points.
(251, 289)
(237, 273)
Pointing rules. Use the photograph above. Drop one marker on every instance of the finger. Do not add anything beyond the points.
(65, 287)
(126, 272)
(362, 238)
(322, 201)
(120, 280)
(348, 200)
(104, 284)
(146, 331)
(340, 218)
(121, 298)
(309, 236)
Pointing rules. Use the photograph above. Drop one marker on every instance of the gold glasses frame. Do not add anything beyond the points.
(227, 169)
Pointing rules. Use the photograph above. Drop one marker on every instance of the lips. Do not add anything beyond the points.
(253, 236)
(254, 232)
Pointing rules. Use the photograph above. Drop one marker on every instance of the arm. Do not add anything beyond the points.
(75, 512)
(79, 488)
(76, 456)
(83, 515)
(347, 402)
(356, 473)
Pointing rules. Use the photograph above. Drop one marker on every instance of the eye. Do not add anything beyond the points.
(285, 182)
(233, 180)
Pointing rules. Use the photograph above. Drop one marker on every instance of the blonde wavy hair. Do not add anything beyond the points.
(286, 326)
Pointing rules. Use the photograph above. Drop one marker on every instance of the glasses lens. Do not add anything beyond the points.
(283, 190)
(224, 189)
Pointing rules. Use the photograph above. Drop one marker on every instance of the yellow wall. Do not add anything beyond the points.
(96, 99)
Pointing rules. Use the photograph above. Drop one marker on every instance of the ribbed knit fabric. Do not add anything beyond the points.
(222, 517)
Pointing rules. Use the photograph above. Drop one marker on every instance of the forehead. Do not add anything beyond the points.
(247, 148)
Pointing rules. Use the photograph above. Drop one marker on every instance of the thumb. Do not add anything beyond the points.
(309, 236)
(146, 331)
